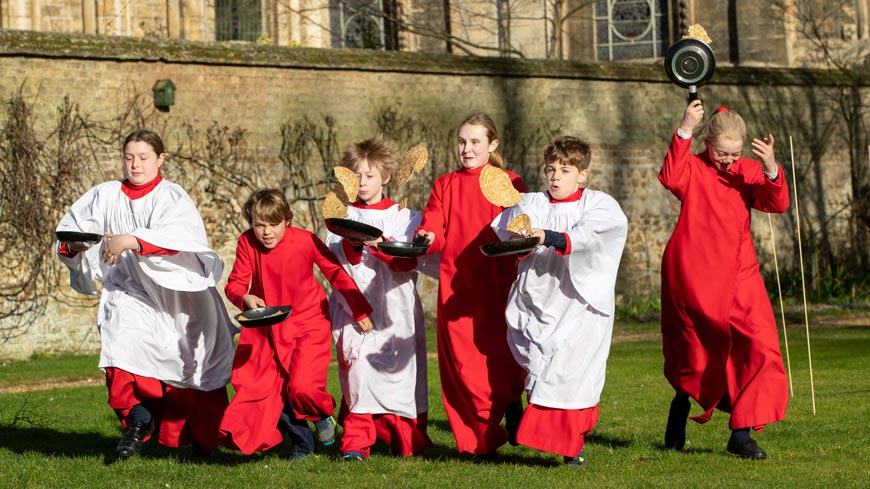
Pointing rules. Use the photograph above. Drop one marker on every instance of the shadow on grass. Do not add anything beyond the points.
(687, 451)
(54, 443)
(607, 440)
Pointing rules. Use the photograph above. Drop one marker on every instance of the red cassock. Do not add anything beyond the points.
(479, 376)
(286, 362)
(719, 333)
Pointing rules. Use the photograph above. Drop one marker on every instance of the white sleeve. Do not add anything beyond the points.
(597, 240)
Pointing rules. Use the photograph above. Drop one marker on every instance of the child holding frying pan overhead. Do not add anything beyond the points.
(481, 383)
(561, 306)
(279, 371)
(166, 339)
(383, 372)
(718, 330)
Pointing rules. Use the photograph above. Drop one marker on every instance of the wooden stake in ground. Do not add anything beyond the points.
(781, 306)
(797, 214)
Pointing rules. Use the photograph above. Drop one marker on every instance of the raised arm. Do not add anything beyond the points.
(676, 171)
(771, 195)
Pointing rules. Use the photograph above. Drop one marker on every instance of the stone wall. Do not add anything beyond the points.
(627, 111)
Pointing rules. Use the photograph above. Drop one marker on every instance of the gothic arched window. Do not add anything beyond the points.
(629, 29)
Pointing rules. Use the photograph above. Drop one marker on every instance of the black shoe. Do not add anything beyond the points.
(196, 451)
(131, 442)
(675, 432)
(746, 449)
(483, 458)
(512, 417)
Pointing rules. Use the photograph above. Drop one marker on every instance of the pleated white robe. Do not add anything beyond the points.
(560, 308)
(383, 371)
(159, 315)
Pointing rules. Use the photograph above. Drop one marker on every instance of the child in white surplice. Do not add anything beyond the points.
(560, 308)
(382, 373)
(166, 339)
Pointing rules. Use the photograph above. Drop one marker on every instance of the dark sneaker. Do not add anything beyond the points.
(196, 451)
(746, 449)
(675, 432)
(512, 417)
(131, 442)
(577, 462)
(325, 430)
(351, 457)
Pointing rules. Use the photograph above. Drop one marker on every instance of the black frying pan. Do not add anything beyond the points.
(263, 316)
(402, 248)
(352, 229)
(514, 246)
(77, 237)
(690, 63)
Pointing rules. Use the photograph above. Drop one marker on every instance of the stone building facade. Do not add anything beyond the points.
(627, 111)
(100, 54)
(762, 33)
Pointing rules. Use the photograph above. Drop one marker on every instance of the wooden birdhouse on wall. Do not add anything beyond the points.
(164, 94)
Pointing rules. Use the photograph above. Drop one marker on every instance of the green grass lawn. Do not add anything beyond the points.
(65, 437)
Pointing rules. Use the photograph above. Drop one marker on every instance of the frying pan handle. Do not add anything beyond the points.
(693, 94)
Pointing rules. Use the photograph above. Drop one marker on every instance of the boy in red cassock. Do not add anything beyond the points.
(279, 371)
(719, 334)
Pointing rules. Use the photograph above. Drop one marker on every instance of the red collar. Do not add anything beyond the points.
(571, 198)
(138, 191)
(384, 204)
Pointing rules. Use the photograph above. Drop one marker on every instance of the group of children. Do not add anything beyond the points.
(538, 323)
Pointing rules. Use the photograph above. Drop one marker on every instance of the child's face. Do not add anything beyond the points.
(724, 151)
(474, 146)
(371, 182)
(563, 180)
(269, 234)
(141, 163)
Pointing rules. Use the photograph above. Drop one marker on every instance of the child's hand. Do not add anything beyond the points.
(365, 324)
(537, 233)
(763, 148)
(117, 244)
(374, 242)
(427, 236)
(692, 117)
(252, 302)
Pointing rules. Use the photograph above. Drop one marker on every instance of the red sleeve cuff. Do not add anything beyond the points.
(354, 256)
(64, 250)
(567, 246)
(147, 248)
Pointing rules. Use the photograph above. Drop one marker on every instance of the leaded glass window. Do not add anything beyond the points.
(629, 29)
(237, 20)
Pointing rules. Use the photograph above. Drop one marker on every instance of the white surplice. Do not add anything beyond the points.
(560, 308)
(383, 371)
(159, 315)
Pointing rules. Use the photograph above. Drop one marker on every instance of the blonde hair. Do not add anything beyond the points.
(379, 153)
(267, 205)
(568, 150)
(486, 122)
(724, 123)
